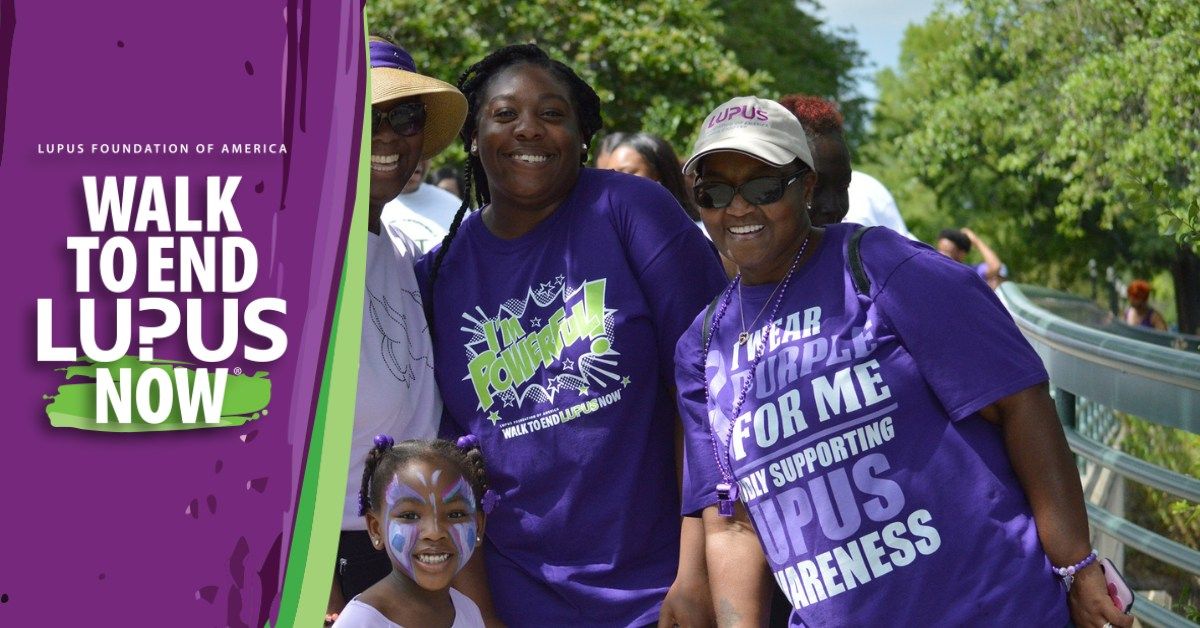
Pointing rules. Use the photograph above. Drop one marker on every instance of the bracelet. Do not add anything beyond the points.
(1063, 572)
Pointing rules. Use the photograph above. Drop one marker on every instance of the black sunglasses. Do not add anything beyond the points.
(406, 118)
(760, 191)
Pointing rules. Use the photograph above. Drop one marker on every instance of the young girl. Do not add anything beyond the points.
(423, 503)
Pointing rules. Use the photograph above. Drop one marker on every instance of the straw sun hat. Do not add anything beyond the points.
(394, 75)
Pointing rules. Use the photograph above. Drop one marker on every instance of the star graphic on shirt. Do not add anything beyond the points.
(508, 400)
(625, 381)
(535, 322)
(559, 279)
(583, 391)
(568, 365)
(494, 417)
(553, 387)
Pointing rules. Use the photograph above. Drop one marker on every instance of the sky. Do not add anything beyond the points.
(879, 27)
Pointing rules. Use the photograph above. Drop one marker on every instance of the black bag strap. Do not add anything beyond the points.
(708, 314)
(862, 283)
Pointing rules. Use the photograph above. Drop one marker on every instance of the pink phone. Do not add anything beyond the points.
(1118, 589)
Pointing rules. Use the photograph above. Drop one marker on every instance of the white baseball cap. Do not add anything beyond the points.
(760, 128)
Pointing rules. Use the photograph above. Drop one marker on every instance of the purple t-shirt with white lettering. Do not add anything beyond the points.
(879, 494)
(556, 348)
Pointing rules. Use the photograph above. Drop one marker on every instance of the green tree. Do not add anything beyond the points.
(657, 65)
(799, 52)
(1068, 128)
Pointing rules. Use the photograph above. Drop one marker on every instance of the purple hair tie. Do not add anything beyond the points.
(388, 55)
(383, 441)
(467, 442)
(489, 501)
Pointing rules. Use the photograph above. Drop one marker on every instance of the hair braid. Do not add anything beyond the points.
(454, 224)
(383, 446)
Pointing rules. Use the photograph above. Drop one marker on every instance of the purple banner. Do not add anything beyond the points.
(178, 181)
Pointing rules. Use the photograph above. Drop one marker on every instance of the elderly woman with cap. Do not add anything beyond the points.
(556, 308)
(892, 478)
(412, 117)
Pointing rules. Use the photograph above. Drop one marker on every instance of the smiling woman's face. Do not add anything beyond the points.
(760, 239)
(528, 139)
(393, 156)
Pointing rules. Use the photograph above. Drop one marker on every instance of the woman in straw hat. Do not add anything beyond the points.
(412, 116)
(892, 478)
(555, 311)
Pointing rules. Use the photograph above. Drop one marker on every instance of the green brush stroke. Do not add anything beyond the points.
(74, 405)
(315, 534)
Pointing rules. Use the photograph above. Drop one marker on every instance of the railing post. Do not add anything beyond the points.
(1064, 402)
(1110, 276)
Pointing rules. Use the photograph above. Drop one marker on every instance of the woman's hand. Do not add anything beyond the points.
(1089, 602)
(1043, 463)
(688, 603)
(689, 600)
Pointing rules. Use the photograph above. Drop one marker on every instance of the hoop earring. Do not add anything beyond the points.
(474, 148)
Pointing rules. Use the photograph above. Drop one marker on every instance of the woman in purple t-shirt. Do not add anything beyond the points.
(555, 313)
(899, 466)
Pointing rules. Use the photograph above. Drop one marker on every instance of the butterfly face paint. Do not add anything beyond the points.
(402, 534)
(431, 522)
(464, 532)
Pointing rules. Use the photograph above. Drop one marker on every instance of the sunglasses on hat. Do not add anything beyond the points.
(407, 118)
(760, 191)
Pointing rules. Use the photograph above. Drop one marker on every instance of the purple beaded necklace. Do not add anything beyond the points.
(727, 489)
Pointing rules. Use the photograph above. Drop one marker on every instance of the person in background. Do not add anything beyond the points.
(402, 211)
(842, 195)
(555, 311)
(957, 243)
(448, 178)
(412, 117)
(838, 434)
(1140, 314)
(425, 200)
(650, 156)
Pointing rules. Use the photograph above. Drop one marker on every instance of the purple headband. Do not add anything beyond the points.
(388, 55)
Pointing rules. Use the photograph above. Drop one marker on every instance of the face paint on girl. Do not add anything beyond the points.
(464, 533)
(402, 534)
(432, 528)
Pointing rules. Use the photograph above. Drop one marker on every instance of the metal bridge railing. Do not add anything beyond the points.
(1095, 373)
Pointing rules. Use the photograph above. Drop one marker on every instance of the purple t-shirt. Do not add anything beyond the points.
(879, 494)
(556, 349)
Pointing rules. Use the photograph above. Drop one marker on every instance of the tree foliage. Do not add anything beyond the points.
(658, 65)
(799, 53)
(1069, 128)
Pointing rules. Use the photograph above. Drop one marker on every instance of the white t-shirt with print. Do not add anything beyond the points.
(397, 395)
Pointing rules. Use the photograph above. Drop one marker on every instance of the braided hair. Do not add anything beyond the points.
(387, 456)
(474, 84)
